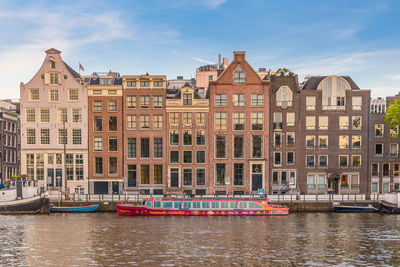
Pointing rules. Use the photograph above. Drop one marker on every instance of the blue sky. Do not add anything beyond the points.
(356, 38)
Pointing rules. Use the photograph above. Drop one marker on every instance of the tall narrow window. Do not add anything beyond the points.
(131, 102)
(157, 174)
(238, 121)
(132, 175)
(144, 147)
(239, 100)
(174, 137)
(157, 101)
(131, 147)
(131, 122)
(220, 121)
(220, 170)
(238, 146)
(187, 137)
(200, 137)
(145, 174)
(257, 123)
(257, 146)
(238, 174)
(158, 148)
(220, 145)
(157, 122)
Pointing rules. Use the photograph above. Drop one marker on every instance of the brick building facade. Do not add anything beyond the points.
(248, 130)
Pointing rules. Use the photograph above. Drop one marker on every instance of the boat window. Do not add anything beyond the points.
(144, 202)
(187, 205)
(224, 204)
(167, 205)
(232, 204)
(148, 204)
(215, 205)
(205, 205)
(157, 204)
(196, 204)
(242, 204)
(254, 205)
(177, 205)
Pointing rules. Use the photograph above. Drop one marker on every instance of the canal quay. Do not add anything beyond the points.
(106, 239)
(295, 203)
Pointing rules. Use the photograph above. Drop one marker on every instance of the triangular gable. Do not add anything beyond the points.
(226, 76)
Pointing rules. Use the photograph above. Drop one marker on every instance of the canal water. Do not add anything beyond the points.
(106, 239)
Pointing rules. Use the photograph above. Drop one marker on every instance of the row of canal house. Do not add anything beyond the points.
(243, 130)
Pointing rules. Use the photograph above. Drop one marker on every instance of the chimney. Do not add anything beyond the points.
(226, 62)
(219, 60)
(239, 55)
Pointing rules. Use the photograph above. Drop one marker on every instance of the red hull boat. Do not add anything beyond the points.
(204, 206)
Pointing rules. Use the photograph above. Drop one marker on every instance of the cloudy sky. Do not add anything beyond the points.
(359, 38)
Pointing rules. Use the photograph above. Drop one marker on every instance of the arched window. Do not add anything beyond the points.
(284, 97)
(334, 92)
(239, 76)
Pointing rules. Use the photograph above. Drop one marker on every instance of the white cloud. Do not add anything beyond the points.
(213, 4)
(392, 76)
(344, 63)
(203, 60)
(65, 29)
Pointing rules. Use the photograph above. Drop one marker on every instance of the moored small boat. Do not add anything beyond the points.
(203, 206)
(356, 208)
(90, 208)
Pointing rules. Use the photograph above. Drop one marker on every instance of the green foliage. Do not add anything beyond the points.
(284, 72)
(392, 118)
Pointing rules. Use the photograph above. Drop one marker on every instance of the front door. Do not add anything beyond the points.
(50, 177)
(256, 177)
(115, 187)
(59, 178)
(332, 186)
(174, 177)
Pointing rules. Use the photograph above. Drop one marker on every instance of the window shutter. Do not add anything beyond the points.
(47, 78)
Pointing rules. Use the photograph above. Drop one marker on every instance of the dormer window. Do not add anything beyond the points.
(144, 83)
(106, 81)
(187, 99)
(284, 97)
(239, 76)
(157, 83)
(334, 92)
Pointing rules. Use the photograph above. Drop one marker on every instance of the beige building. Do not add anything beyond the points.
(53, 112)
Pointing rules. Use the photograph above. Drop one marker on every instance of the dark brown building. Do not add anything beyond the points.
(333, 136)
(284, 132)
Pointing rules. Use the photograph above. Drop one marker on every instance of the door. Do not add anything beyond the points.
(256, 177)
(332, 186)
(115, 187)
(174, 177)
(50, 177)
(100, 188)
(59, 178)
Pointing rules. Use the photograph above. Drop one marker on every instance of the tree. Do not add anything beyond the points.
(392, 117)
(284, 72)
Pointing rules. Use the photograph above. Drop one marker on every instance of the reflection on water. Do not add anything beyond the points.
(108, 239)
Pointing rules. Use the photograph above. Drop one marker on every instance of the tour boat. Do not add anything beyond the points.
(356, 208)
(202, 206)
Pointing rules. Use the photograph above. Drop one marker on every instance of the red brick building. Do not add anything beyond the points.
(238, 130)
(105, 106)
(144, 131)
